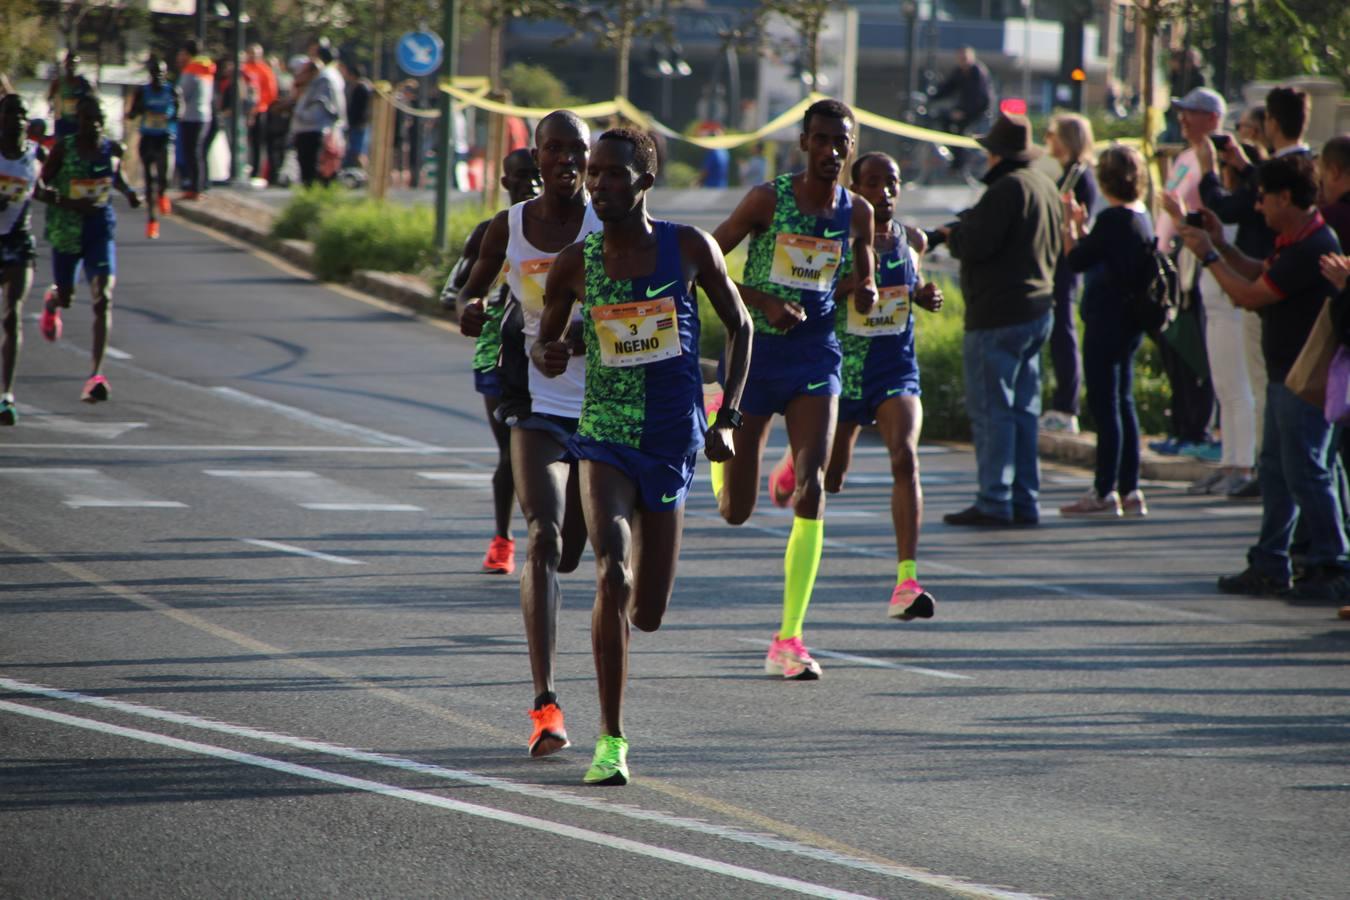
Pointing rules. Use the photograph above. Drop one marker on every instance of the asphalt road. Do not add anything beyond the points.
(246, 652)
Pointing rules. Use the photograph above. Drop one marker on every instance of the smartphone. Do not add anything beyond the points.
(1195, 219)
(1222, 142)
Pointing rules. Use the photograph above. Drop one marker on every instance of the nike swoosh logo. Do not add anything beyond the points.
(811, 386)
(831, 233)
(665, 499)
(656, 292)
(894, 263)
(893, 391)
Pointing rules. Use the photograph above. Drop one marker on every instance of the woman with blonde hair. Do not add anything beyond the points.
(1069, 141)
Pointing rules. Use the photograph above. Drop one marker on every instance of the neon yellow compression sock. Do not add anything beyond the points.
(717, 472)
(906, 570)
(800, 565)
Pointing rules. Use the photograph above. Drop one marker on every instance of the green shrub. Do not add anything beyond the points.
(386, 237)
(680, 174)
(308, 206)
(532, 85)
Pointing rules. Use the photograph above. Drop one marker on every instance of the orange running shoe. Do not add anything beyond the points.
(501, 557)
(783, 483)
(165, 207)
(152, 230)
(549, 735)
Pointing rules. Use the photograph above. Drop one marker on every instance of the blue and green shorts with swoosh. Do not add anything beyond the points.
(662, 484)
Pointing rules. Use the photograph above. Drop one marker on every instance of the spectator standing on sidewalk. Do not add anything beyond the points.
(196, 82)
(322, 107)
(1289, 289)
(259, 145)
(1007, 245)
(1069, 141)
(359, 91)
(1113, 256)
(1201, 112)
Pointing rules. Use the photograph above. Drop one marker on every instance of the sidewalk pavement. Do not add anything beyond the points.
(245, 215)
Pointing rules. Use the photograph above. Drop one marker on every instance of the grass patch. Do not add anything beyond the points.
(371, 235)
(300, 218)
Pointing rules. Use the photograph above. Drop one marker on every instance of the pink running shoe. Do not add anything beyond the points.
(50, 322)
(911, 602)
(783, 483)
(790, 659)
(95, 390)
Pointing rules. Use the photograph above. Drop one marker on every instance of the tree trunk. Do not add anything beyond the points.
(1148, 17)
(625, 50)
(495, 30)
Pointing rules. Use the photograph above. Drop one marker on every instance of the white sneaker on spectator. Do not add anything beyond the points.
(1054, 420)
(1134, 504)
(1091, 505)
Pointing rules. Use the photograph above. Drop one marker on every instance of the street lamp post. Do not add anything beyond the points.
(910, 10)
(1026, 53)
(238, 128)
(445, 136)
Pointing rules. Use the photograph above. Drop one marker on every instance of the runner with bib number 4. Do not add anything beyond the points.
(642, 421)
(798, 226)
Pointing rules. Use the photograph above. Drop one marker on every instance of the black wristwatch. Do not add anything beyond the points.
(1209, 258)
(728, 418)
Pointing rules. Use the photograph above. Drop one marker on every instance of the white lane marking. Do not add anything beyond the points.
(311, 490)
(476, 479)
(249, 448)
(533, 823)
(35, 418)
(362, 507)
(117, 354)
(832, 512)
(889, 555)
(301, 551)
(312, 419)
(87, 488)
(888, 480)
(1233, 512)
(869, 661)
(550, 794)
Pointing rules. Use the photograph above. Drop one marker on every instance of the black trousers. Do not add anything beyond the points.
(307, 147)
(193, 136)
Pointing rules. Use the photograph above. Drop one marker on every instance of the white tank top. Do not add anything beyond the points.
(527, 269)
(17, 178)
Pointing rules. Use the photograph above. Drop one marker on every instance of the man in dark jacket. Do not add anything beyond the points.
(1007, 245)
(973, 89)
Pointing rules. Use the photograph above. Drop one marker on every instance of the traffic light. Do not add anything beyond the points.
(1071, 72)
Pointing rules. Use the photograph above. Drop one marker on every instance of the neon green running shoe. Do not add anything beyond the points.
(610, 764)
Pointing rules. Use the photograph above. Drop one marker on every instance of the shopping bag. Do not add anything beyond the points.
(1308, 377)
(1337, 405)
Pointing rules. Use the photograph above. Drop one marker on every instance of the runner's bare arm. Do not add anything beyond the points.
(550, 351)
(459, 273)
(710, 271)
(864, 255)
(486, 268)
(753, 215)
(118, 151)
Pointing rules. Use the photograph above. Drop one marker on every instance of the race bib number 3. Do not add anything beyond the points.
(97, 189)
(533, 274)
(634, 334)
(805, 263)
(14, 189)
(889, 316)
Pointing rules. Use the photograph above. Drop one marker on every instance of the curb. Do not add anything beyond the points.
(250, 222)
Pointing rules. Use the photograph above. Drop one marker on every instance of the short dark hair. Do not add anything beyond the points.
(1293, 173)
(90, 100)
(561, 115)
(1289, 108)
(830, 109)
(856, 171)
(1120, 172)
(1336, 153)
(644, 148)
(190, 47)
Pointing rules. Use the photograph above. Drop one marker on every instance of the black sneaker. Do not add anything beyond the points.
(1254, 584)
(1322, 585)
(974, 517)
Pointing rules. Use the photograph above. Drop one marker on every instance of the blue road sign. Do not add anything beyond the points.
(419, 53)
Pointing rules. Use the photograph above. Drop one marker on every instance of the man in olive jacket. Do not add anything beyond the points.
(1007, 245)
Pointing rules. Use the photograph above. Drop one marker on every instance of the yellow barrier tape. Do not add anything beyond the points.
(913, 132)
(721, 141)
(476, 84)
(588, 111)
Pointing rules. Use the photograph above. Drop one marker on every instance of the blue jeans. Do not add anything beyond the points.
(1109, 345)
(1296, 482)
(1003, 399)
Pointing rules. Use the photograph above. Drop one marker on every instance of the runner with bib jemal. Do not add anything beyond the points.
(642, 421)
(798, 225)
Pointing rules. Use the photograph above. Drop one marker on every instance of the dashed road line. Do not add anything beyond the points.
(301, 551)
